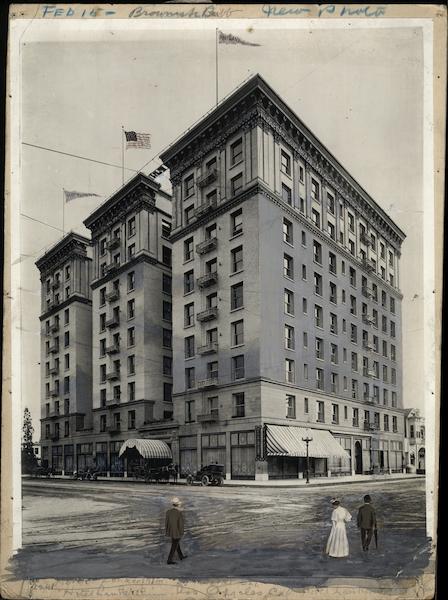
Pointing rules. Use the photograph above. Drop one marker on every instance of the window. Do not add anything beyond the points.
(392, 305)
(131, 419)
(354, 388)
(393, 376)
(305, 371)
(102, 373)
(236, 259)
(131, 391)
(305, 339)
(236, 184)
(167, 366)
(167, 338)
(131, 281)
(394, 424)
(315, 190)
(351, 247)
(318, 316)
(335, 413)
(188, 249)
(103, 246)
(315, 214)
(288, 266)
(393, 354)
(334, 354)
(288, 302)
(385, 374)
(189, 214)
(318, 284)
(333, 293)
(188, 282)
(67, 361)
(392, 329)
(320, 379)
(167, 392)
(317, 252)
(304, 306)
(331, 230)
(131, 251)
(237, 333)
(166, 228)
(289, 337)
(131, 336)
(354, 361)
(236, 296)
(189, 346)
(236, 152)
(290, 407)
(386, 422)
(189, 186)
(319, 348)
(287, 231)
(351, 222)
(238, 367)
(333, 323)
(320, 418)
(66, 316)
(394, 399)
(285, 163)
(356, 417)
(212, 300)
(301, 174)
(238, 405)
(210, 232)
(306, 406)
(188, 314)
(167, 310)
(385, 397)
(302, 205)
(67, 338)
(290, 370)
(131, 308)
(286, 194)
(332, 262)
(131, 227)
(66, 385)
(383, 298)
(236, 222)
(384, 324)
(131, 364)
(166, 256)
(189, 378)
(353, 305)
(304, 272)
(330, 203)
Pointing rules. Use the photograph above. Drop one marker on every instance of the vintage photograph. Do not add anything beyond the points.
(222, 332)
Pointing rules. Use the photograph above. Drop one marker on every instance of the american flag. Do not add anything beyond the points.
(137, 140)
(228, 38)
(72, 195)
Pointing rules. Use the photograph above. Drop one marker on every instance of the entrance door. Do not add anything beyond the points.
(243, 462)
(358, 458)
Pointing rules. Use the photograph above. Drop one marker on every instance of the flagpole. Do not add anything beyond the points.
(122, 155)
(63, 212)
(216, 66)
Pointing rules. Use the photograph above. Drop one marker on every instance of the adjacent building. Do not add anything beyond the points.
(131, 324)
(415, 449)
(66, 352)
(287, 319)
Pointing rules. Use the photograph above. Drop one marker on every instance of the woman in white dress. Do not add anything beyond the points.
(337, 545)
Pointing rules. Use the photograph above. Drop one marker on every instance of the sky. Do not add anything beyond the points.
(360, 90)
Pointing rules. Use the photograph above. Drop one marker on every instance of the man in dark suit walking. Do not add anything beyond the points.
(366, 522)
(174, 528)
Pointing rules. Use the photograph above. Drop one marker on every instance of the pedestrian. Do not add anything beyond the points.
(366, 522)
(337, 545)
(174, 529)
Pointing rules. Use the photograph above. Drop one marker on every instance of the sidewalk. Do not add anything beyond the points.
(319, 481)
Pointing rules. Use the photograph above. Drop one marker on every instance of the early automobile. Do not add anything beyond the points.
(209, 475)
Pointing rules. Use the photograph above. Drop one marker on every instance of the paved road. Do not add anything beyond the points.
(114, 529)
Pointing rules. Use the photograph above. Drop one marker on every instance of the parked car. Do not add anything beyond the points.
(208, 475)
(88, 474)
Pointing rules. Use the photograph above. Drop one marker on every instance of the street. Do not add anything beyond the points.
(75, 529)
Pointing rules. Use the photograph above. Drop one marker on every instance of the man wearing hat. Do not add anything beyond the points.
(174, 528)
(366, 522)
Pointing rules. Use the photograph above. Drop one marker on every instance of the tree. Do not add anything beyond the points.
(29, 460)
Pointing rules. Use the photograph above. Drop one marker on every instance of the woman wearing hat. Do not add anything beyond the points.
(337, 545)
(174, 528)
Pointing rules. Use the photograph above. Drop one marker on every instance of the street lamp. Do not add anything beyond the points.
(307, 440)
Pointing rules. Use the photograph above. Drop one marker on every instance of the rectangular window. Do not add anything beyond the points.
(305, 339)
(290, 407)
(320, 379)
(188, 314)
(166, 228)
(315, 190)
(131, 391)
(320, 418)
(167, 338)
(285, 163)
(189, 346)
(189, 411)
(131, 281)
(333, 323)
(236, 184)
(167, 392)
(166, 256)
(131, 336)
(318, 316)
(189, 378)
(236, 222)
(66, 316)
(188, 249)
(286, 194)
(353, 334)
(318, 284)
(131, 227)
(166, 283)
(392, 329)
(306, 406)
(288, 266)
(236, 259)
(304, 272)
(131, 364)
(304, 306)
(188, 282)
(317, 252)
(330, 203)
(287, 231)
(238, 367)
(238, 405)
(289, 337)
(333, 293)
(167, 365)
(131, 308)
(67, 338)
(319, 348)
(315, 215)
(131, 251)
(332, 263)
(335, 414)
(386, 422)
(236, 152)
(67, 361)
(334, 354)
(236, 296)
(290, 370)
(289, 302)
(356, 417)
(167, 310)
(237, 333)
(189, 186)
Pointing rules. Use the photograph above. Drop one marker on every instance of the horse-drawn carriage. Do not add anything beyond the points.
(208, 475)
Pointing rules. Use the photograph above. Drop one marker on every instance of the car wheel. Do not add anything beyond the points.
(190, 479)
(205, 480)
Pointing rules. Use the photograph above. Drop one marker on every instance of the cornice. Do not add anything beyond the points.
(75, 297)
(128, 265)
(72, 246)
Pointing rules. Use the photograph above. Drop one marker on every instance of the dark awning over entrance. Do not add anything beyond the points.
(147, 448)
(283, 440)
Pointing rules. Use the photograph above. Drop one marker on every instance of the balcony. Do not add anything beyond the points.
(113, 349)
(112, 375)
(209, 177)
(53, 371)
(54, 349)
(114, 428)
(113, 295)
(113, 401)
(370, 426)
(367, 265)
(54, 392)
(111, 267)
(211, 381)
(372, 373)
(113, 243)
(207, 280)
(208, 348)
(54, 414)
(56, 285)
(367, 346)
(355, 423)
(368, 320)
(208, 314)
(207, 245)
(54, 328)
(113, 322)
(211, 417)
(204, 208)
(369, 399)
(367, 292)
(365, 239)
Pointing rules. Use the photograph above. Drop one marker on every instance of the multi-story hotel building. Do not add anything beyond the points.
(131, 329)
(287, 303)
(66, 353)
(415, 441)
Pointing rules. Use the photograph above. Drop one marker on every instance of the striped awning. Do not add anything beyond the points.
(283, 440)
(148, 448)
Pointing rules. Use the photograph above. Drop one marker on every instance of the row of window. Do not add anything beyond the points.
(212, 378)
(55, 327)
(56, 282)
(54, 370)
(236, 228)
(56, 390)
(56, 300)
(57, 430)
(116, 259)
(57, 407)
(116, 393)
(54, 348)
